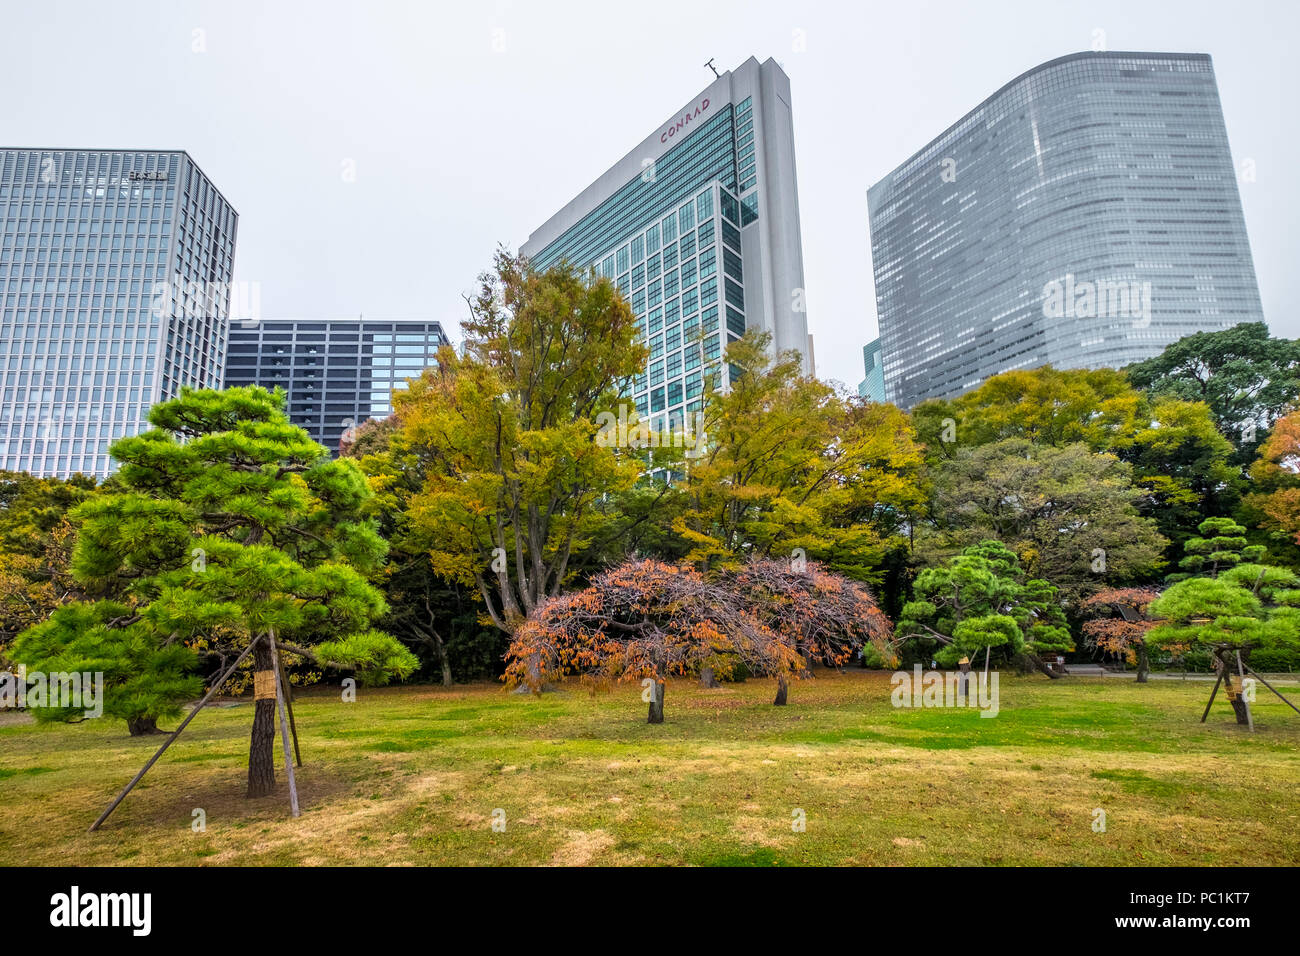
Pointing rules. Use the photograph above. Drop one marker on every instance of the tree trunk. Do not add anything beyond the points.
(1144, 663)
(1239, 705)
(261, 746)
(534, 674)
(707, 679)
(656, 703)
(442, 656)
(139, 726)
(782, 691)
(1035, 661)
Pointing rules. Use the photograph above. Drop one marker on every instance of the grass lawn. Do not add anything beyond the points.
(412, 775)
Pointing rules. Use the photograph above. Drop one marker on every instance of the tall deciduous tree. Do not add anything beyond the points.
(436, 616)
(503, 436)
(790, 466)
(1275, 503)
(228, 525)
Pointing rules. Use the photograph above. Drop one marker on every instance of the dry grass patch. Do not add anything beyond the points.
(420, 775)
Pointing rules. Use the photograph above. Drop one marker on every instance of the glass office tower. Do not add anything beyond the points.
(115, 274)
(699, 228)
(1084, 215)
(873, 386)
(336, 374)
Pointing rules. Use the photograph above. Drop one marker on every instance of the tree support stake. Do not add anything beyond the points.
(175, 733)
(284, 727)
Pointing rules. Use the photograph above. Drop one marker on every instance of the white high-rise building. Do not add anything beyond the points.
(699, 228)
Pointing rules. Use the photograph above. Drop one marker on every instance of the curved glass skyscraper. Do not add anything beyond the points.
(1084, 215)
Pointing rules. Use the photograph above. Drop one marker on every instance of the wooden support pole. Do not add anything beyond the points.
(175, 733)
(1241, 672)
(284, 727)
(1273, 689)
(1212, 694)
(288, 700)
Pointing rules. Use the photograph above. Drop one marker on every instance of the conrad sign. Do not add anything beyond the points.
(684, 120)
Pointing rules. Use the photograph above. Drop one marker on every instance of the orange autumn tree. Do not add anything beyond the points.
(1277, 474)
(643, 621)
(648, 621)
(823, 616)
(1121, 624)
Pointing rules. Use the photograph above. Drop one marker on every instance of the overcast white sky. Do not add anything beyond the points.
(469, 125)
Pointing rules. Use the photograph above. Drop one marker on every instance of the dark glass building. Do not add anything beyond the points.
(115, 270)
(335, 373)
(1084, 215)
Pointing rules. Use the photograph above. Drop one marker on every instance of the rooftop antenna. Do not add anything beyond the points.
(712, 67)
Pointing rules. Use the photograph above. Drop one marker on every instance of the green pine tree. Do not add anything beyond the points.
(226, 524)
(1234, 605)
(979, 600)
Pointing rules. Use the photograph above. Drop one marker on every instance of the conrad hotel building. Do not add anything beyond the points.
(699, 228)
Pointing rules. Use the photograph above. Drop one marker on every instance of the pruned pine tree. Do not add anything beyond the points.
(979, 600)
(227, 525)
(1234, 605)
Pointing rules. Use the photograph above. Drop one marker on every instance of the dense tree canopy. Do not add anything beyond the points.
(36, 538)
(1179, 462)
(1246, 377)
(1069, 513)
(1274, 505)
(502, 438)
(792, 466)
(497, 508)
(435, 615)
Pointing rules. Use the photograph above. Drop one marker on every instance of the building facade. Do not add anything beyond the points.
(115, 271)
(1084, 215)
(873, 386)
(336, 373)
(699, 228)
